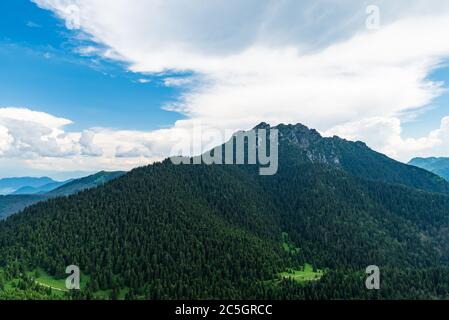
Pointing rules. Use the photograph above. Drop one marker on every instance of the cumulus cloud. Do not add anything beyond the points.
(5, 139)
(43, 141)
(87, 144)
(26, 133)
(379, 133)
(276, 61)
(384, 135)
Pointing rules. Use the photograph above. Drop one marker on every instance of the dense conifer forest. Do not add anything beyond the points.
(170, 231)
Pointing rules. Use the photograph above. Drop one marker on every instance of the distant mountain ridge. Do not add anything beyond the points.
(11, 185)
(26, 196)
(439, 166)
(88, 182)
(42, 189)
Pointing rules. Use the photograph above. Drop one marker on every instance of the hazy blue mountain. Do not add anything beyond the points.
(439, 166)
(26, 196)
(10, 185)
(41, 190)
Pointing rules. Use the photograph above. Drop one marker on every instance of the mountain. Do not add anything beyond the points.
(355, 158)
(439, 166)
(88, 182)
(27, 196)
(170, 231)
(10, 185)
(42, 189)
(11, 204)
(26, 190)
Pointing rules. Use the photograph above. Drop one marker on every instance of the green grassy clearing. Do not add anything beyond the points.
(303, 275)
(57, 285)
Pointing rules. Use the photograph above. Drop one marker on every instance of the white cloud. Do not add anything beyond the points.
(27, 133)
(87, 144)
(177, 82)
(5, 139)
(384, 135)
(275, 61)
(143, 81)
(41, 141)
(379, 133)
(87, 51)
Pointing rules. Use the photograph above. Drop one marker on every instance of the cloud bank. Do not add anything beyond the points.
(286, 61)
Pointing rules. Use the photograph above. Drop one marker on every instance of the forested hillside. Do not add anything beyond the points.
(16, 202)
(222, 231)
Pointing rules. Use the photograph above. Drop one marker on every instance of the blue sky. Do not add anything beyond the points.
(87, 85)
(437, 109)
(41, 70)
